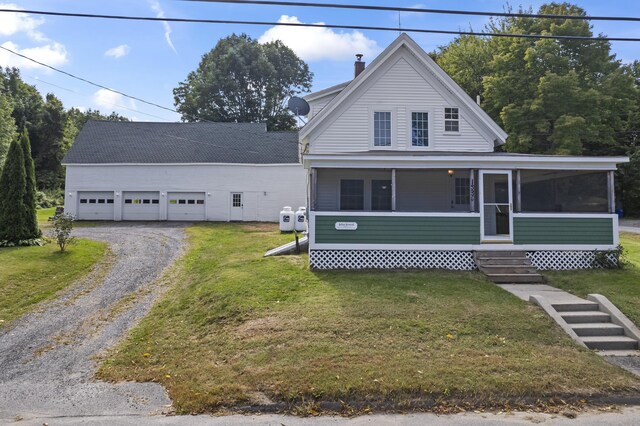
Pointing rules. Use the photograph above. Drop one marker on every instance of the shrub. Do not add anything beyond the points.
(61, 232)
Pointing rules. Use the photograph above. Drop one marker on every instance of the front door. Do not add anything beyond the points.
(236, 206)
(496, 220)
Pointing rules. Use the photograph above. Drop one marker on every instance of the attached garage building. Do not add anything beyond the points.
(182, 172)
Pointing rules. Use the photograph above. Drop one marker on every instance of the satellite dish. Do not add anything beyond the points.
(298, 106)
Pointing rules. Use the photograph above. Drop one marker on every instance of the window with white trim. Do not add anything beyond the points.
(382, 128)
(419, 129)
(351, 194)
(451, 120)
(463, 191)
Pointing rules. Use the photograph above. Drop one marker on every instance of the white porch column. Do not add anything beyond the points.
(393, 190)
(472, 190)
(518, 193)
(611, 191)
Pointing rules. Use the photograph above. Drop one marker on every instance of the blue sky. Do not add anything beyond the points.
(149, 59)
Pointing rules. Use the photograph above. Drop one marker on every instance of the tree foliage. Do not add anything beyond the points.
(7, 126)
(51, 128)
(31, 224)
(553, 96)
(244, 81)
(13, 213)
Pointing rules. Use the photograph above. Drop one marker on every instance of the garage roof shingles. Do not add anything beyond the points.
(117, 142)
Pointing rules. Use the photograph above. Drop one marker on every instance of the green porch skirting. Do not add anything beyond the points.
(556, 230)
(398, 230)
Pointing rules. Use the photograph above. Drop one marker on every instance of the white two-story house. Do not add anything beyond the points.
(403, 173)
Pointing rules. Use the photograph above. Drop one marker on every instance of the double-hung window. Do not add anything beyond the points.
(351, 194)
(463, 191)
(419, 129)
(382, 128)
(451, 120)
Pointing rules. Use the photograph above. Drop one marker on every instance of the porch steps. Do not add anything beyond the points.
(507, 267)
(594, 323)
(595, 327)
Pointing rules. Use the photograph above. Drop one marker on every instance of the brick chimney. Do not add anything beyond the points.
(359, 65)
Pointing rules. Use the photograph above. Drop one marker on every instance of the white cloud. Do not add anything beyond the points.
(108, 100)
(13, 23)
(316, 44)
(118, 51)
(54, 54)
(155, 6)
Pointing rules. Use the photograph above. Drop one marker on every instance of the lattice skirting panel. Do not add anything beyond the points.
(561, 260)
(391, 259)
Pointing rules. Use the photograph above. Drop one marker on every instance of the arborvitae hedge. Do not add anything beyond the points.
(30, 188)
(13, 182)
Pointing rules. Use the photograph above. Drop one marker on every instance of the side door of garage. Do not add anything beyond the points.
(188, 206)
(141, 205)
(95, 205)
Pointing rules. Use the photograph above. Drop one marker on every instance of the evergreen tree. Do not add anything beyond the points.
(30, 187)
(13, 221)
(7, 126)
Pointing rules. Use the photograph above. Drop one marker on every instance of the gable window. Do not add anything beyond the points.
(451, 120)
(380, 195)
(351, 194)
(463, 192)
(382, 128)
(419, 129)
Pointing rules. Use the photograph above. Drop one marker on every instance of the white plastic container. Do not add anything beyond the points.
(301, 219)
(286, 219)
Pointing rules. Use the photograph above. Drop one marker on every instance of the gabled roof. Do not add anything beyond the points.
(404, 41)
(116, 142)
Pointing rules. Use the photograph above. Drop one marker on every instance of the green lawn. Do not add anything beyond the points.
(236, 328)
(621, 286)
(29, 275)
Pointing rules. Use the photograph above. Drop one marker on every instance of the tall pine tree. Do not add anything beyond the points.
(30, 187)
(13, 182)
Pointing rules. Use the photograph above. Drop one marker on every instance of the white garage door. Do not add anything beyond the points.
(141, 205)
(95, 205)
(186, 206)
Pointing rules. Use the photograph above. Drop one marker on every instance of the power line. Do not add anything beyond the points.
(87, 81)
(422, 10)
(332, 26)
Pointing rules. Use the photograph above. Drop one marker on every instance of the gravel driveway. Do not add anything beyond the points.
(47, 358)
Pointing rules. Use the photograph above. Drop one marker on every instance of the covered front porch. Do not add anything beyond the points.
(450, 208)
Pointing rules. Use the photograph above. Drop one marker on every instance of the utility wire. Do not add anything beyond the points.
(334, 26)
(87, 81)
(422, 10)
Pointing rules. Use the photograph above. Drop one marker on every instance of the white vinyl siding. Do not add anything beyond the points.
(400, 85)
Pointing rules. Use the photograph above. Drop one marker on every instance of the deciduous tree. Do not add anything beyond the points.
(245, 81)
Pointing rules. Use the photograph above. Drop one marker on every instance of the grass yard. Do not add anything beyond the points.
(29, 275)
(621, 286)
(237, 328)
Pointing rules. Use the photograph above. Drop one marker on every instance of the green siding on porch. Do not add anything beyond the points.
(399, 230)
(570, 230)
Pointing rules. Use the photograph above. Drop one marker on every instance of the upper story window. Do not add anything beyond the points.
(419, 129)
(351, 194)
(451, 120)
(382, 128)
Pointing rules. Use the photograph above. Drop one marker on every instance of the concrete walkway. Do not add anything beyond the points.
(552, 294)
